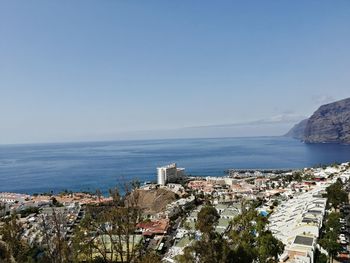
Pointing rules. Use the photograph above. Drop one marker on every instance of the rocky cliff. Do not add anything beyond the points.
(329, 124)
(298, 130)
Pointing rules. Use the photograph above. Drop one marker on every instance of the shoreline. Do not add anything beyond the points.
(239, 174)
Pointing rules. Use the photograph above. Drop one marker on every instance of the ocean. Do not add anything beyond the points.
(38, 168)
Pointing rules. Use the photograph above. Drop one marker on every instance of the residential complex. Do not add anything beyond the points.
(294, 207)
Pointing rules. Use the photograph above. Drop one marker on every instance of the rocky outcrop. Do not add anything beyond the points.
(329, 124)
(298, 130)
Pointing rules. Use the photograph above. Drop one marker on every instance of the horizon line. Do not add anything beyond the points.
(131, 140)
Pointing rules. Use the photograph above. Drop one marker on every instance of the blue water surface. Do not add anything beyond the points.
(102, 165)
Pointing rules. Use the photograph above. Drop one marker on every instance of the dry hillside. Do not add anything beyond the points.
(154, 200)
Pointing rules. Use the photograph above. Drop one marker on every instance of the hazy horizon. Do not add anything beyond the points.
(111, 70)
(146, 135)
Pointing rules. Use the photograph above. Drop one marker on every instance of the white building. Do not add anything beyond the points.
(169, 173)
(297, 223)
(10, 198)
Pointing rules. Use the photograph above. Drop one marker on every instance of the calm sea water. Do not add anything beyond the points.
(88, 166)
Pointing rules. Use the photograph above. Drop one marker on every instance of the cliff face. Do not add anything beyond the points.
(329, 124)
(298, 130)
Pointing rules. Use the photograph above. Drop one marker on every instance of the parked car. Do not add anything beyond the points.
(343, 242)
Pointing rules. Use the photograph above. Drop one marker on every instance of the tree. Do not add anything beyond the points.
(55, 202)
(214, 250)
(208, 217)
(5, 253)
(2, 209)
(243, 253)
(108, 230)
(250, 240)
(320, 258)
(247, 242)
(11, 233)
(268, 247)
(55, 246)
(332, 231)
(150, 257)
(212, 247)
(336, 195)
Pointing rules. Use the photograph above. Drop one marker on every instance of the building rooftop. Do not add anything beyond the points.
(303, 240)
(154, 227)
(172, 165)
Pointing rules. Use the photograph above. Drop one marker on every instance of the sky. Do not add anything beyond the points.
(116, 69)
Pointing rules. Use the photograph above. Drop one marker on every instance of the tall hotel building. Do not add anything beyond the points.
(168, 173)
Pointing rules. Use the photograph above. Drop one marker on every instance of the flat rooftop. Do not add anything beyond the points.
(302, 240)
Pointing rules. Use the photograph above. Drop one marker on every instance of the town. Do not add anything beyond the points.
(305, 213)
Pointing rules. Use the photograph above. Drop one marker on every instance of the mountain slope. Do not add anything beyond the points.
(329, 124)
(298, 130)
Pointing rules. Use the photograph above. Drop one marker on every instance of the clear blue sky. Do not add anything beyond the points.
(91, 70)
